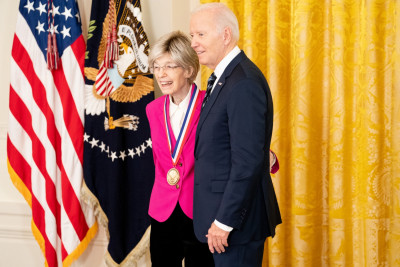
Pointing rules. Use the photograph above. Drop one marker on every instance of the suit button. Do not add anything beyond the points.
(177, 186)
(180, 164)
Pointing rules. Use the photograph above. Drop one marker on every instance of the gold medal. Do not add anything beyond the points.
(173, 176)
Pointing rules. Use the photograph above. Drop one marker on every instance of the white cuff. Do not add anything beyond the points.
(223, 226)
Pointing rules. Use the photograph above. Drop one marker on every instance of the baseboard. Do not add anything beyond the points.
(15, 221)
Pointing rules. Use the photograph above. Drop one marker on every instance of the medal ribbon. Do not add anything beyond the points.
(183, 133)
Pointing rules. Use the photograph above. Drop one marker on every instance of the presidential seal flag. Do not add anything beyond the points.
(45, 136)
(118, 156)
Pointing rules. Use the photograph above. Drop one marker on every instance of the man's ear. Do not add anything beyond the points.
(227, 35)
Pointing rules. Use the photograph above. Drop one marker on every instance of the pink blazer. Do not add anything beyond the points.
(164, 197)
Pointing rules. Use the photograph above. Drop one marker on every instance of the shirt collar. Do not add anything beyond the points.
(225, 61)
(184, 104)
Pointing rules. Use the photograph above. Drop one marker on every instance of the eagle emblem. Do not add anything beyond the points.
(126, 77)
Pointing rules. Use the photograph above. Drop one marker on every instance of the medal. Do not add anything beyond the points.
(173, 176)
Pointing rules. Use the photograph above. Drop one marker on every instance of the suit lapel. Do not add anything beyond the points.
(217, 89)
(160, 117)
(197, 102)
(196, 115)
(166, 117)
(211, 101)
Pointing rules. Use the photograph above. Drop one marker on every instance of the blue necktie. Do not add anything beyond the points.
(210, 84)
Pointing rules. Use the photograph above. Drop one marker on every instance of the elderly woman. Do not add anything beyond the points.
(173, 120)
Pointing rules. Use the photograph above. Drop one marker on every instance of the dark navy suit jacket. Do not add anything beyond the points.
(232, 182)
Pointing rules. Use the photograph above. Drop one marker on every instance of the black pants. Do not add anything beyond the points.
(246, 255)
(174, 240)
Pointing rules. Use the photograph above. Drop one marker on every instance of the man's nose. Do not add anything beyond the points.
(193, 42)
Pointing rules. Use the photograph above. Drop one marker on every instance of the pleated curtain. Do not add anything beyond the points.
(334, 71)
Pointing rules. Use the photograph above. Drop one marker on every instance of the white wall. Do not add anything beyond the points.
(18, 248)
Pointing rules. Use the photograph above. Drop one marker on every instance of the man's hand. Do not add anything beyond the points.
(217, 239)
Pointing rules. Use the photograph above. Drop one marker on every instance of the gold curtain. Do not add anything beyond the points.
(334, 72)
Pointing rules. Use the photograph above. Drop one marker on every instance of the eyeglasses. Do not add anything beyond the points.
(167, 68)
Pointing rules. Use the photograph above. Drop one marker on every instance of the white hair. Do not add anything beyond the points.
(224, 17)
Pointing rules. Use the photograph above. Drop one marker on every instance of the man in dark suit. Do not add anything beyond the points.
(234, 199)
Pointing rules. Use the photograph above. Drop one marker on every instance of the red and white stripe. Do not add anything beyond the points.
(45, 145)
(104, 86)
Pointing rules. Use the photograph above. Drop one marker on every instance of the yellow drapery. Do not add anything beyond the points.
(334, 72)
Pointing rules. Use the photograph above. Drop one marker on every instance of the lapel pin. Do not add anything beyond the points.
(219, 83)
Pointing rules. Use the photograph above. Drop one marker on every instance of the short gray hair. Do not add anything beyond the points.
(224, 17)
(178, 46)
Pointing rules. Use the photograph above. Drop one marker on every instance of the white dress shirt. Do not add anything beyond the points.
(224, 63)
(177, 113)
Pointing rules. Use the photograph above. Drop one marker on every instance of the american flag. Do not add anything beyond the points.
(45, 137)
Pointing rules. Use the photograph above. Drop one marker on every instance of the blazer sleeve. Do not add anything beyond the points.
(275, 167)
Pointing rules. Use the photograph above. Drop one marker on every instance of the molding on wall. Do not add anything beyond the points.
(12, 232)
(15, 223)
(3, 131)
